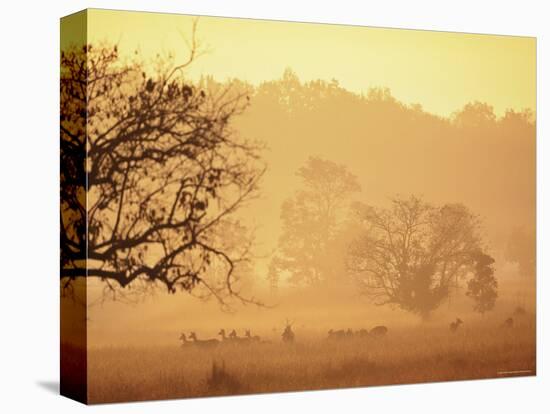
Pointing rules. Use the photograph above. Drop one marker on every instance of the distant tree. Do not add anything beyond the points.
(412, 254)
(164, 175)
(521, 249)
(381, 95)
(311, 220)
(475, 115)
(482, 287)
(525, 117)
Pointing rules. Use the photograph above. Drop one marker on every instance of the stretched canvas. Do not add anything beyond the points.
(252, 206)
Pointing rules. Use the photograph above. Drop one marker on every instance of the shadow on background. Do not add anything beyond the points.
(51, 386)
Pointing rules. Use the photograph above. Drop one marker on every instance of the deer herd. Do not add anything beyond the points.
(518, 313)
(376, 332)
(288, 335)
(231, 338)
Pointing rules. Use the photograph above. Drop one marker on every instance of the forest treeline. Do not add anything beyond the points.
(173, 164)
(473, 156)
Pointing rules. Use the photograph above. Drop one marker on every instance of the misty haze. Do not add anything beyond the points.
(241, 233)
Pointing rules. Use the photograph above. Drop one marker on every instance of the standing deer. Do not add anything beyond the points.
(362, 333)
(508, 323)
(453, 326)
(222, 334)
(378, 331)
(288, 335)
(340, 334)
(184, 341)
(254, 338)
(237, 339)
(205, 343)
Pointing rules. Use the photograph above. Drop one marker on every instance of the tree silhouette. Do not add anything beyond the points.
(151, 175)
(477, 115)
(412, 254)
(311, 221)
(482, 288)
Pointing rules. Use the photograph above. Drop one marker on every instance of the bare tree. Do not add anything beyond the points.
(152, 174)
(412, 254)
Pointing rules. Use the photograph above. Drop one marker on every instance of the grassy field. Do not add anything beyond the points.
(407, 355)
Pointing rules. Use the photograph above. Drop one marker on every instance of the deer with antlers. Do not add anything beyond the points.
(453, 326)
(288, 334)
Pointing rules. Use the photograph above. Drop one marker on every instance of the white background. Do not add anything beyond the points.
(29, 326)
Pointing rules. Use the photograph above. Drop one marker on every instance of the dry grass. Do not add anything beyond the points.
(422, 354)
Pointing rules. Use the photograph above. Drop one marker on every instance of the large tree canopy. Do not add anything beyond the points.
(151, 175)
(412, 254)
(311, 221)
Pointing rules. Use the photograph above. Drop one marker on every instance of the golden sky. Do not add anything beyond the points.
(440, 70)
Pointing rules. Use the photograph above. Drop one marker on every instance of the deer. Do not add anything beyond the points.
(288, 335)
(362, 333)
(519, 311)
(379, 331)
(206, 343)
(237, 339)
(184, 341)
(340, 334)
(232, 337)
(222, 334)
(508, 323)
(255, 338)
(453, 326)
